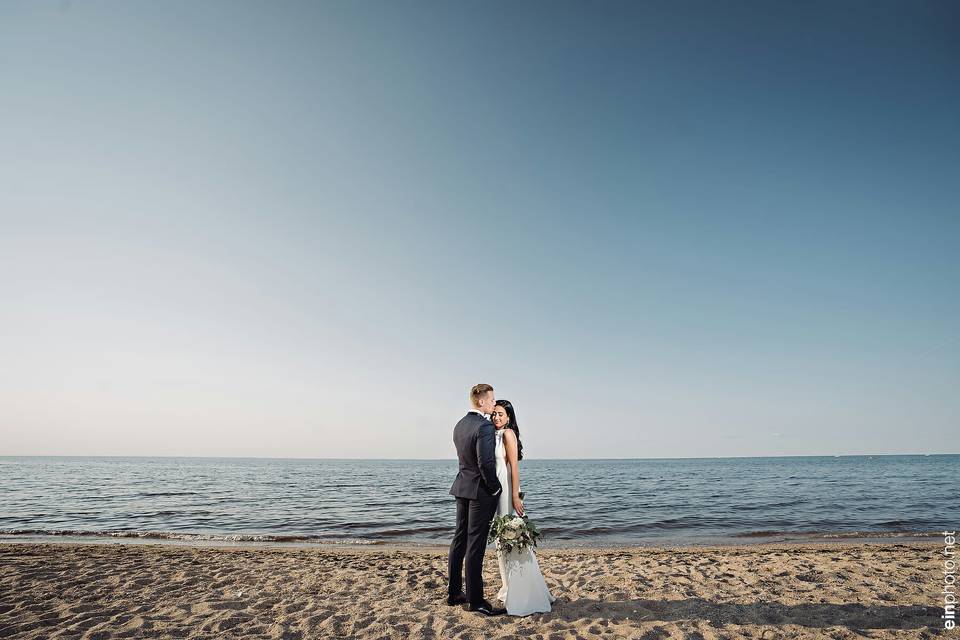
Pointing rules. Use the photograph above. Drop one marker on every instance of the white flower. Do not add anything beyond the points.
(509, 534)
(516, 523)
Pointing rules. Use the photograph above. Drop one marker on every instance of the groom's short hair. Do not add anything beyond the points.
(478, 391)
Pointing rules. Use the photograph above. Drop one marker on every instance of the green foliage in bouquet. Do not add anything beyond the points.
(513, 532)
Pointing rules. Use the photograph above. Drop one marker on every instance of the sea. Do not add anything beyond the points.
(576, 503)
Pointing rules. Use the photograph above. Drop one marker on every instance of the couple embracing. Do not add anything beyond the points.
(488, 485)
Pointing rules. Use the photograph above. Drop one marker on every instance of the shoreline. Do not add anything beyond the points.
(226, 540)
(836, 589)
(428, 548)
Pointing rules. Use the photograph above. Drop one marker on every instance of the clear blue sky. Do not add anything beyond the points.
(306, 229)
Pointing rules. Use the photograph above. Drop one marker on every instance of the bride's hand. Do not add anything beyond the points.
(518, 505)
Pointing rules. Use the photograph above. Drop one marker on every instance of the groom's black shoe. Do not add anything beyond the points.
(459, 598)
(485, 608)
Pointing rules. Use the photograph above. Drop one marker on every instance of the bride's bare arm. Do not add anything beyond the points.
(510, 445)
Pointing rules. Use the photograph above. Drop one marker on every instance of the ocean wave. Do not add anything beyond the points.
(838, 534)
(764, 506)
(160, 494)
(882, 534)
(413, 531)
(199, 537)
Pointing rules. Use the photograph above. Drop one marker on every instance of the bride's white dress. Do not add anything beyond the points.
(523, 591)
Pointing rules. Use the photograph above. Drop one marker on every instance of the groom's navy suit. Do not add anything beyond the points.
(477, 490)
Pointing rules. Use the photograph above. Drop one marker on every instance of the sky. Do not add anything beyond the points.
(661, 229)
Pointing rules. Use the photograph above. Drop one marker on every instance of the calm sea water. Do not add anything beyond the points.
(575, 502)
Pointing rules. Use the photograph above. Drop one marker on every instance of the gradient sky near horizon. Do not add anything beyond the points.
(662, 229)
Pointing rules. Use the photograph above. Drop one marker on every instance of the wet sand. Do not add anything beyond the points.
(767, 591)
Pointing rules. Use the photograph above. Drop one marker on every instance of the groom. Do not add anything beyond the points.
(477, 491)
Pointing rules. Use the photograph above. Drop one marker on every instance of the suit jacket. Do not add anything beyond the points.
(475, 441)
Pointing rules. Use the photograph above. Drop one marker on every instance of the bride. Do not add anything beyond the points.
(523, 591)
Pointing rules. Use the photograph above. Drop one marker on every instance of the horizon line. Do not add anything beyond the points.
(827, 455)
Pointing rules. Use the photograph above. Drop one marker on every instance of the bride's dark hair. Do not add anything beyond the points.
(512, 425)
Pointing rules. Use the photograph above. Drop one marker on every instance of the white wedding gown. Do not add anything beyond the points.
(523, 591)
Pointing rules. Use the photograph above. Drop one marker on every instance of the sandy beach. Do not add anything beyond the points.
(771, 591)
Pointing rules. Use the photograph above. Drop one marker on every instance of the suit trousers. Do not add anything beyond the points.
(469, 543)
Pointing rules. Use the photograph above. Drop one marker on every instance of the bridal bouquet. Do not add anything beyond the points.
(513, 532)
